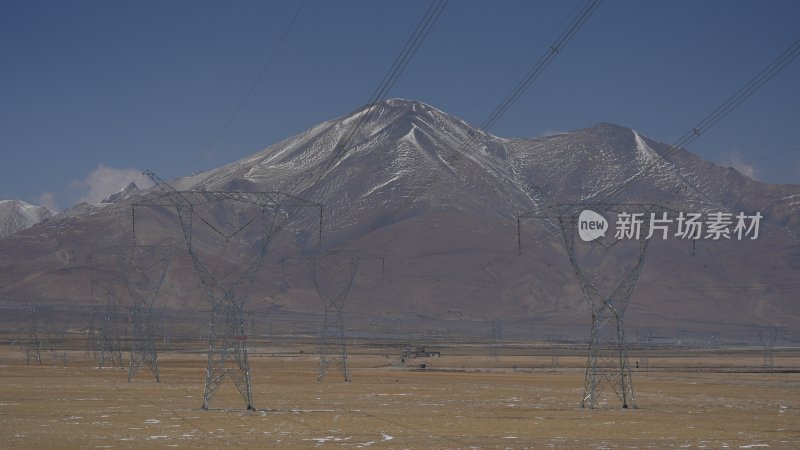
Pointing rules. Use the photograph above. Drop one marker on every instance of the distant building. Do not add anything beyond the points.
(419, 352)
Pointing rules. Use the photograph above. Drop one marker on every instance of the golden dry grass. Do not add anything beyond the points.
(475, 403)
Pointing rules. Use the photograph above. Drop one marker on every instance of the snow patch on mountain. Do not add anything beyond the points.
(382, 185)
(126, 192)
(646, 156)
(16, 215)
(429, 191)
(407, 155)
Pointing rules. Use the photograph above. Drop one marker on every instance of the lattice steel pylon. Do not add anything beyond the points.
(226, 289)
(494, 345)
(144, 268)
(332, 344)
(768, 337)
(143, 346)
(327, 269)
(32, 342)
(607, 365)
(333, 274)
(91, 336)
(38, 335)
(103, 339)
(57, 341)
(109, 347)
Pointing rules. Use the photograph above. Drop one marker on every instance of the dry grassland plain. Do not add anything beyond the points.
(459, 401)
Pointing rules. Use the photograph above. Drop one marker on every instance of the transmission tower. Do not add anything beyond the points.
(57, 339)
(90, 350)
(494, 345)
(768, 338)
(32, 343)
(226, 287)
(607, 365)
(109, 347)
(38, 335)
(143, 269)
(143, 346)
(333, 273)
(92, 336)
(103, 339)
(332, 344)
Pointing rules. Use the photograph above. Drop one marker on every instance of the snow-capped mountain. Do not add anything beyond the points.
(130, 190)
(401, 162)
(85, 208)
(438, 200)
(16, 215)
(416, 155)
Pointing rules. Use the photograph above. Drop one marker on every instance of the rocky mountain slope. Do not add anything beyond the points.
(16, 215)
(437, 200)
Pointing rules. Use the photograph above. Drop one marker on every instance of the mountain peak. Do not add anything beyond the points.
(121, 194)
(393, 109)
(607, 129)
(402, 103)
(608, 126)
(440, 198)
(408, 149)
(16, 215)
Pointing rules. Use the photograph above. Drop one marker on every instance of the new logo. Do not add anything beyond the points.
(591, 225)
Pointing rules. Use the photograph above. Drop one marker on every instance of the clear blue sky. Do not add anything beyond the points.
(148, 84)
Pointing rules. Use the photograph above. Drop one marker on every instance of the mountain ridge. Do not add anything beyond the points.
(16, 215)
(446, 226)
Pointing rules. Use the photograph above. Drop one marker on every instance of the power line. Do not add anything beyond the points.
(738, 266)
(524, 60)
(309, 178)
(709, 121)
(775, 67)
(754, 287)
(558, 45)
(250, 91)
(398, 66)
(543, 62)
(775, 155)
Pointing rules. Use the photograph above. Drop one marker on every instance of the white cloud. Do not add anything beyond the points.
(104, 181)
(735, 160)
(48, 200)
